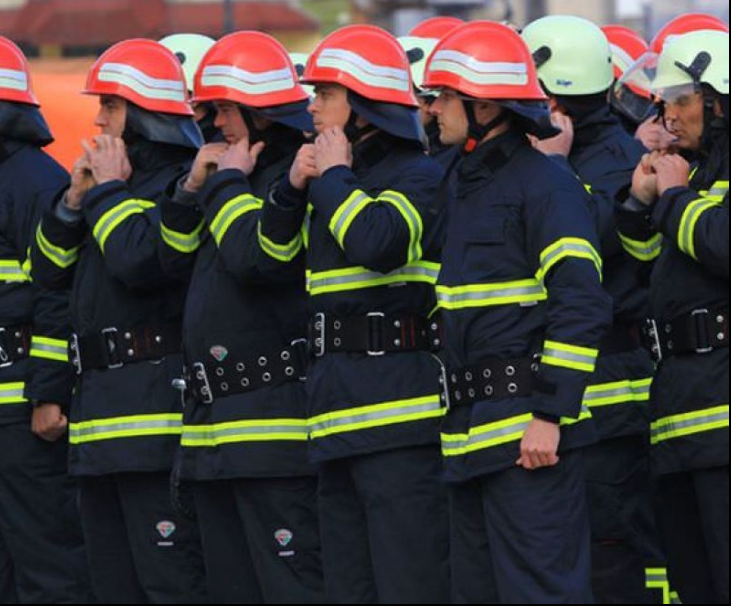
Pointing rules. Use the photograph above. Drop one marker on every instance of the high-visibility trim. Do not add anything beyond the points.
(496, 433)
(12, 393)
(184, 243)
(646, 251)
(260, 430)
(307, 225)
(135, 426)
(675, 598)
(13, 79)
(717, 193)
(249, 83)
(657, 578)
(569, 356)
(114, 217)
(358, 278)
(688, 424)
(480, 72)
(359, 201)
(618, 392)
(55, 254)
(143, 84)
(688, 222)
(523, 292)
(49, 349)
(361, 69)
(12, 271)
(376, 415)
(280, 252)
(230, 212)
(566, 248)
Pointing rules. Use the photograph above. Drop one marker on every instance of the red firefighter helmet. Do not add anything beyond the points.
(436, 28)
(250, 68)
(143, 72)
(366, 60)
(15, 84)
(685, 24)
(485, 60)
(627, 46)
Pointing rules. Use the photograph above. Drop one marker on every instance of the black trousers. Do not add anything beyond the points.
(140, 551)
(628, 565)
(384, 521)
(692, 510)
(261, 540)
(522, 537)
(42, 559)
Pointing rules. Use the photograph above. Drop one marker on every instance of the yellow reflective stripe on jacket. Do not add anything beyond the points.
(49, 349)
(522, 292)
(688, 424)
(280, 252)
(12, 393)
(376, 415)
(263, 430)
(496, 433)
(114, 217)
(657, 578)
(356, 278)
(359, 200)
(306, 225)
(55, 254)
(135, 426)
(643, 251)
(230, 212)
(565, 248)
(618, 392)
(569, 356)
(184, 243)
(12, 271)
(717, 192)
(689, 221)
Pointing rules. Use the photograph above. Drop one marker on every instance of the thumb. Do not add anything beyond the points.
(256, 150)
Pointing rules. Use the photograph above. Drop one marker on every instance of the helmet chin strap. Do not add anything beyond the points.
(476, 131)
(355, 133)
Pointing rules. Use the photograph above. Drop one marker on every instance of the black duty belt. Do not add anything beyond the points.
(116, 347)
(700, 332)
(621, 339)
(14, 344)
(247, 373)
(491, 379)
(375, 334)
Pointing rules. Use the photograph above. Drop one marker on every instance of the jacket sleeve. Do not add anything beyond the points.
(181, 228)
(563, 246)
(50, 376)
(380, 231)
(233, 215)
(697, 222)
(127, 231)
(55, 248)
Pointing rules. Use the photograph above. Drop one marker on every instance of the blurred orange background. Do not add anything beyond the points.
(58, 84)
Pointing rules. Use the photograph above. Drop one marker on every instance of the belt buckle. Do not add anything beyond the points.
(200, 375)
(5, 361)
(701, 330)
(110, 341)
(299, 347)
(376, 326)
(318, 341)
(652, 330)
(75, 353)
(443, 383)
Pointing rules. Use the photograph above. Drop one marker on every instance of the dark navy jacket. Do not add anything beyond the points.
(374, 237)
(246, 296)
(126, 419)
(521, 276)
